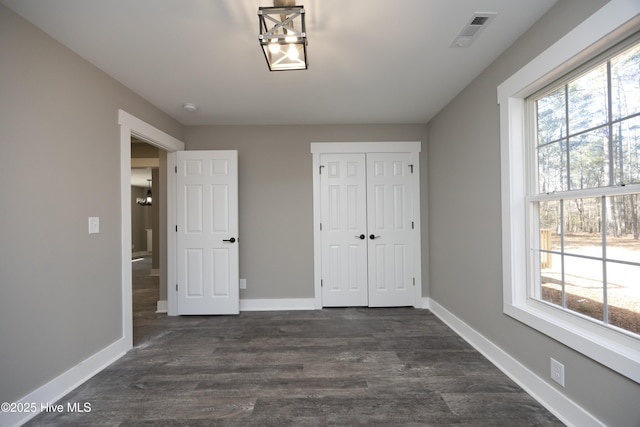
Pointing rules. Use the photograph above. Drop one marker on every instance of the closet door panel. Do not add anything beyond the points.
(343, 213)
(389, 210)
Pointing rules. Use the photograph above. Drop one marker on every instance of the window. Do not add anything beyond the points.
(584, 203)
(570, 161)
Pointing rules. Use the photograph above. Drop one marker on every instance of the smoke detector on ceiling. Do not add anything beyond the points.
(474, 26)
(190, 107)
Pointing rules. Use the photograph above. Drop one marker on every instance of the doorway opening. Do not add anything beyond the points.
(132, 127)
(148, 236)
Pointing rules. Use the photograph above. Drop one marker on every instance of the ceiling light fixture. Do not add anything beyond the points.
(146, 200)
(283, 36)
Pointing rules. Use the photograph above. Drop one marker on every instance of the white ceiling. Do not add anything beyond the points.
(370, 61)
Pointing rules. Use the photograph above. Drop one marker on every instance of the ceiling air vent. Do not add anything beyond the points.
(473, 27)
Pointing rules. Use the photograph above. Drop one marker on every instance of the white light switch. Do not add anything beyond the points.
(94, 225)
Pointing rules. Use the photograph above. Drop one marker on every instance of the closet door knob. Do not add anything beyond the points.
(231, 240)
(373, 237)
(361, 237)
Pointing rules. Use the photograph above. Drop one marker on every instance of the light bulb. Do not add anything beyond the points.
(274, 47)
(291, 39)
(292, 53)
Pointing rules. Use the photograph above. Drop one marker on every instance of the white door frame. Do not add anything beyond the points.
(318, 148)
(132, 126)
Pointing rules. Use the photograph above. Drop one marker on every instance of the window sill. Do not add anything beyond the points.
(616, 350)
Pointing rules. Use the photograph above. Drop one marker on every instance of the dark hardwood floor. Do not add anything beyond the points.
(331, 367)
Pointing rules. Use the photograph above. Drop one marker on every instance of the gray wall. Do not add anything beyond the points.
(276, 197)
(465, 227)
(162, 225)
(155, 219)
(59, 165)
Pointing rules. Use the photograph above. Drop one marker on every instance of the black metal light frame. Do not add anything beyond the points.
(282, 30)
(147, 199)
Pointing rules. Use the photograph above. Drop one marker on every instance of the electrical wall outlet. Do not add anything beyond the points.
(557, 372)
(243, 283)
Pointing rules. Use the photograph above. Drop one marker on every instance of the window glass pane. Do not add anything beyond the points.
(623, 296)
(582, 226)
(550, 266)
(588, 159)
(626, 151)
(588, 100)
(550, 221)
(551, 114)
(583, 286)
(625, 83)
(551, 283)
(623, 228)
(623, 244)
(552, 168)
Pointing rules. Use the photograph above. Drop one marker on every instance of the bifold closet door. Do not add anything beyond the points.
(366, 209)
(344, 239)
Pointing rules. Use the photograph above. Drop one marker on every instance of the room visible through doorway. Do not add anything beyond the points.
(147, 201)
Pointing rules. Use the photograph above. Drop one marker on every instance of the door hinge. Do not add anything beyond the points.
(176, 287)
(321, 284)
(412, 225)
(414, 281)
(176, 169)
(320, 226)
(411, 167)
(176, 228)
(320, 169)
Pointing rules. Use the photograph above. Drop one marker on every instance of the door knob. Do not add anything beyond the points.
(361, 237)
(373, 237)
(231, 240)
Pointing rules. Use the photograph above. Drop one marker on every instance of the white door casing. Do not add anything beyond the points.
(132, 126)
(207, 232)
(344, 228)
(393, 272)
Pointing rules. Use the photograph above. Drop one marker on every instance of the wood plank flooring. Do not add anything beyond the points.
(331, 367)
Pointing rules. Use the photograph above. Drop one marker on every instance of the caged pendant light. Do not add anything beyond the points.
(147, 199)
(283, 36)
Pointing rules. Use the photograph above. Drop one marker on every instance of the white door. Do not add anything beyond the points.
(390, 228)
(367, 229)
(207, 232)
(344, 228)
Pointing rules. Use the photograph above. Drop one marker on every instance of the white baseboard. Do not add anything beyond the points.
(162, 306)
(557, 403)
(293, 304)
(64, 383)
(422, 303)
(277, 304)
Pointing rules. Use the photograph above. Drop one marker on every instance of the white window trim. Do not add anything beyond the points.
(618, 351)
